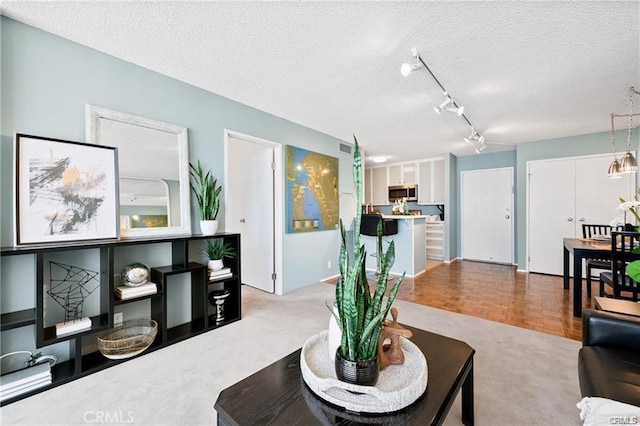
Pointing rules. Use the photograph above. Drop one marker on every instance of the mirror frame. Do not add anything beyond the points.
(93, 114)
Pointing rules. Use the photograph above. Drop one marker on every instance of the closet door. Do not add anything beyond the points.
(597, 196)
(551, 205)
(562, 195)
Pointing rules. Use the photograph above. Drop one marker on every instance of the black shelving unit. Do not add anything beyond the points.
(201, 318)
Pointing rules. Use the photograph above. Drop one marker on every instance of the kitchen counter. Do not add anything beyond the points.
(409, 242)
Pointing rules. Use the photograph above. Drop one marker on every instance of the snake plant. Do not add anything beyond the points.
(205, 188)
(361, 314)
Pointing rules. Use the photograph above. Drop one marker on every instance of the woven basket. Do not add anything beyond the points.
(128, 339)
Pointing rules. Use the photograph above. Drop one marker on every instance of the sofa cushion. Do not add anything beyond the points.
(609, 373)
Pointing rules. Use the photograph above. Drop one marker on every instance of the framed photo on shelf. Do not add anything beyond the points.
(64, 191)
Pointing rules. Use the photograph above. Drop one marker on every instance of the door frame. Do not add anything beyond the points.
(278, 198)
(512, 204)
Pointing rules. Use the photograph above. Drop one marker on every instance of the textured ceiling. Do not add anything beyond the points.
(524, 71)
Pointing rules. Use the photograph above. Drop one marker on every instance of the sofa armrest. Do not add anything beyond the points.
(600, 328)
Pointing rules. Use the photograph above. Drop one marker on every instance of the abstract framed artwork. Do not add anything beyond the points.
(64, 191)
(312, 201)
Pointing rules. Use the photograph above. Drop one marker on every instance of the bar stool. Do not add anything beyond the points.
(369, 226)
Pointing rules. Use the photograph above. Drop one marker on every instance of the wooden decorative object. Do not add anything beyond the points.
(391, 353)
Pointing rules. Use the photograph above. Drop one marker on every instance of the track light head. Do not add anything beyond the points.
(457, 110)
(408, 68)
(447, 101)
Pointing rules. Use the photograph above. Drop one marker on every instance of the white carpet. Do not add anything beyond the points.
(522, 377)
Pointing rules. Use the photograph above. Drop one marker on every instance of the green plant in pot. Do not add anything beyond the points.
(360, 314)
(205, 188)
(216, 250)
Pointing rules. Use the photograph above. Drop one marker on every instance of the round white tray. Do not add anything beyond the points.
(398, 385)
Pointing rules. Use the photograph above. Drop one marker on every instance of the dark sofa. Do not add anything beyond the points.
(609, 360)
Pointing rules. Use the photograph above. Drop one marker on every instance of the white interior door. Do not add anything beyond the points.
(250, 209)
(551, 212)
(487, 215)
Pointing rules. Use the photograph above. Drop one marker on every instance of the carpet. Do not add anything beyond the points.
(521, 376)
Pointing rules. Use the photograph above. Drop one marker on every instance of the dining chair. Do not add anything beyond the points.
(622, 245)
(590, 231)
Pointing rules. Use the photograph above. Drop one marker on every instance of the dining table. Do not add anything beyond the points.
(581, 249)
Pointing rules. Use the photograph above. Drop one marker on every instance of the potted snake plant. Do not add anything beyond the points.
(216, 250)
(360, 315)
(205, 188)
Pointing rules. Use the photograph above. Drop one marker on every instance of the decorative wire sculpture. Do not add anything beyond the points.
(71, 290)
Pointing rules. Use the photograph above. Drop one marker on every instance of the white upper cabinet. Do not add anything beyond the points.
(366, 187)
(402, 174)
(431, 182)
(379, 184)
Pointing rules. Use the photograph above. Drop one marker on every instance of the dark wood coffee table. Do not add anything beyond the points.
(618, 306)
(277, 394)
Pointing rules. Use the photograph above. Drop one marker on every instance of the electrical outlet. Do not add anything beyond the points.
(329, 264)
(117, 318)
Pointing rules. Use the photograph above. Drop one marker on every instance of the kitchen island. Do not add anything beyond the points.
(409, 243)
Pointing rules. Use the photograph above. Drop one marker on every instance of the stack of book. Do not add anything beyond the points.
(125, 293)
(219, 274)
(25, 380)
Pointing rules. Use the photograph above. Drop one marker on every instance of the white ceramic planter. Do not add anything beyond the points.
(208, 227)
(215, 265)
(334, 338)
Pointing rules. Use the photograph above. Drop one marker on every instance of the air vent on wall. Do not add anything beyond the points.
(345, 148)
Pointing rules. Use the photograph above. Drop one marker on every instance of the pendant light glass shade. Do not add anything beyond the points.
(628, 163)
(614, 170)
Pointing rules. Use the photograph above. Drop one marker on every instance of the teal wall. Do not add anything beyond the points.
(46, 81)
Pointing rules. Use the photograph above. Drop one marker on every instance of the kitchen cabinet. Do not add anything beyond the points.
(379, 186)
(431, 182)
(32, 267)
(366, 187)
(434, 237)
(402, 174)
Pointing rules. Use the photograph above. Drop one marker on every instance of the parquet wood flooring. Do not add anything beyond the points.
(498, 293)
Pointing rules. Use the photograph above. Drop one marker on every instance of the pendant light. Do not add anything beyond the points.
(629, 163)
(614, 169)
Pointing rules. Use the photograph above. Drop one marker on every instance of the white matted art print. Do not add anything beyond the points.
(65, 191)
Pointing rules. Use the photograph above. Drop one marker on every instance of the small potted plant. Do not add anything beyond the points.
(216, 250)
(360, 315)
(205, 188)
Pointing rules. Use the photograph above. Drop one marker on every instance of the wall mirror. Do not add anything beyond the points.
(153, 167)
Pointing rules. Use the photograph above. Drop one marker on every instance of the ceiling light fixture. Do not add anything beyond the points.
(448, 101)
(379, 158)
(628, 163)
(614, 171)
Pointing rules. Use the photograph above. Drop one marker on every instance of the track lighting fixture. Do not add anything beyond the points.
(449, 103)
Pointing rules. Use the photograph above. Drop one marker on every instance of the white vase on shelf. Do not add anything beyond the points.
(208, 227)
(215, 264)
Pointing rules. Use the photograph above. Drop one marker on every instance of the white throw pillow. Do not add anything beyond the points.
(601, 411)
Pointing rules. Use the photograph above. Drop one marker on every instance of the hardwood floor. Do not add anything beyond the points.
(498, 293)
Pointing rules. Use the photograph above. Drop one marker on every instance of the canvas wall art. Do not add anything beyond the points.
(65, 191)
(312, 200)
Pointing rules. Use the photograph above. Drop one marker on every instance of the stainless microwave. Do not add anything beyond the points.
(398, 192)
